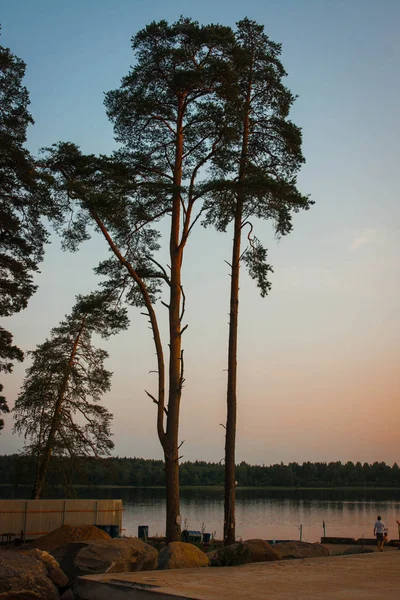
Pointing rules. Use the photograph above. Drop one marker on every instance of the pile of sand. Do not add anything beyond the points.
(69, 533)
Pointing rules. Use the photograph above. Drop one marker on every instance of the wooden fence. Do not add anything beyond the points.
(37, 517)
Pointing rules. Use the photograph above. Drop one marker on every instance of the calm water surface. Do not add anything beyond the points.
(260, 513)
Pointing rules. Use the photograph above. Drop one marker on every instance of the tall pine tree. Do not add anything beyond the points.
(168, 116)
(255, 179)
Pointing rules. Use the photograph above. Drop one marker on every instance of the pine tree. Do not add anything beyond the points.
(168, 116)
(58, 409)
(255, 178)
(23, 201)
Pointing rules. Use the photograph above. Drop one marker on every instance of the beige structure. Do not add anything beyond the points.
(37, 517)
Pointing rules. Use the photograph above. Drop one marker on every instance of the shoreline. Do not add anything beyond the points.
(217, 487)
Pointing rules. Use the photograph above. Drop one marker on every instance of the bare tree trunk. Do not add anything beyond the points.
(173, 529)
(231, 399)
(44, 463)
(39, 448)
(230, 434)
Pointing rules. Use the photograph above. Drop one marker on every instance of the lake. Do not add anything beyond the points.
(260, 513)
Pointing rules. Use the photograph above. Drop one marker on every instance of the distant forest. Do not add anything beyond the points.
(17, 469)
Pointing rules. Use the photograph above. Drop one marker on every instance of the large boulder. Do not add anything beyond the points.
(260, 551)
(47, 559)
(286, 550)
(20, 595)
(106, 556)
(231, 556)
(180, 555)
(24, 577)
(53, 568)
(58, 577)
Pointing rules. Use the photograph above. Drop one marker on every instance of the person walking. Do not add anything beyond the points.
(379, 530)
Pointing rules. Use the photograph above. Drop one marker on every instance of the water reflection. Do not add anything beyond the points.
(260, 513)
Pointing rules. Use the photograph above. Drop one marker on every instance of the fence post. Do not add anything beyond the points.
(63, 515)
(301, 532)
(97, 511)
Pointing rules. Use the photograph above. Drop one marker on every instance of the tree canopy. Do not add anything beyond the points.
(146, 472)
(23, 202)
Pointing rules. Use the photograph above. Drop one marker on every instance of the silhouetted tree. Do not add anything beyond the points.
(23, 201)
(168, 117)
(58, 410)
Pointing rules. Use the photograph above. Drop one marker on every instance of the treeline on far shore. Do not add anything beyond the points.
(17, 469)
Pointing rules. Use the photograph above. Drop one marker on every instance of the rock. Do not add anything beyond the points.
(260, 551)
(58, 577)
(47, 559)
(53, 568)
(230, 556)
(105, 556)
(358, 550)
(24, 577)
(20, 595)
(181, 555)
(286, 550)
(68, 595)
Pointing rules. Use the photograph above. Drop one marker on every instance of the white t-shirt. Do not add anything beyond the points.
(379, 527)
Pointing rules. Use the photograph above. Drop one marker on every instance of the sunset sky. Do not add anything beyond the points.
(319, 372)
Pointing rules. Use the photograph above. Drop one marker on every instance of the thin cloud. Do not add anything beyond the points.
(363, 238)
(310, 278)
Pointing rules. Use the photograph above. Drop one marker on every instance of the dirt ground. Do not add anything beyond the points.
(357, 577)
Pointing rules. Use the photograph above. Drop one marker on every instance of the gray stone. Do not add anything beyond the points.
(105, 556)
(300, 550)
(260, 551)
(20, 595)
(58, 577)
(68, 595)
(24, 577)
(230, 556)
(47, 559)
(181, 555)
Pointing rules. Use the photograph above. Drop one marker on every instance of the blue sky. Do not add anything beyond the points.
(319, 358)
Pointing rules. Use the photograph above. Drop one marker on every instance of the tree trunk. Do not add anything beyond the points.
(169, 439)
(231, 397)
(175, 387)
(44, 464)
(40, 436)
(173, 529)
(230, 434)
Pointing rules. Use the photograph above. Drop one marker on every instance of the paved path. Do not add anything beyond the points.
(360, 577)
